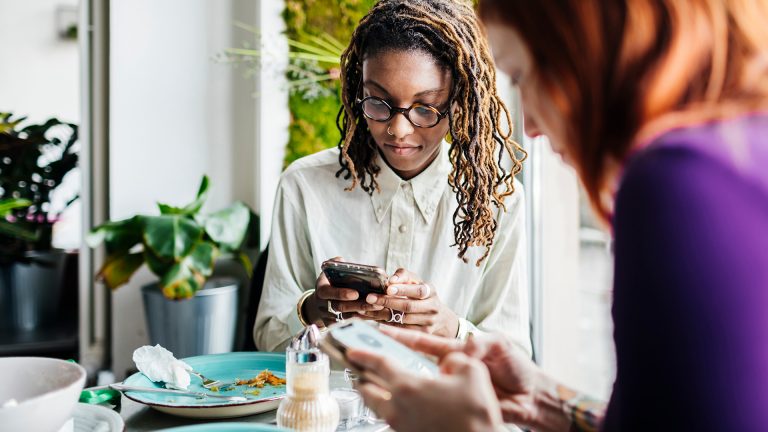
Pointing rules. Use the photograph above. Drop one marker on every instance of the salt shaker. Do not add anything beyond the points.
(308, 406)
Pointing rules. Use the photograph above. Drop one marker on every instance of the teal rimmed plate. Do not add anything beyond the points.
(227, 427)
(223, 367)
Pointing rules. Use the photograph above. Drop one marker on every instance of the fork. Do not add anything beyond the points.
(207, 382)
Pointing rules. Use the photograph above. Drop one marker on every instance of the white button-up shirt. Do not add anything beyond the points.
(406, 224)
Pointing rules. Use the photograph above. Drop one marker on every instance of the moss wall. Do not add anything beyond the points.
(313, 121)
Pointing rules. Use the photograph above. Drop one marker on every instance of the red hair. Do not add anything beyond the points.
(621, 71)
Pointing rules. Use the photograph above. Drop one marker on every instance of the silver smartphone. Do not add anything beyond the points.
(359, 334)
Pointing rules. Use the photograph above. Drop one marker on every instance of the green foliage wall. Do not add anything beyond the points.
(313, 121)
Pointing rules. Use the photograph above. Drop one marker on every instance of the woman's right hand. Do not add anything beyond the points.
(527, 396)
(344, 300)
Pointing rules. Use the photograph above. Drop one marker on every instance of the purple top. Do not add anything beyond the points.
(691, 282)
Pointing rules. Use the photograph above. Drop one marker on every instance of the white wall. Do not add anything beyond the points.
(39, 73)
(40, 79)
(177, 114)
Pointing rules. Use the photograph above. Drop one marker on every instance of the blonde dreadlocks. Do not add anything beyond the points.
(446, 30)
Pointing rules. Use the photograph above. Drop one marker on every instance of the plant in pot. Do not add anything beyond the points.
(34, 159)
(187, 312)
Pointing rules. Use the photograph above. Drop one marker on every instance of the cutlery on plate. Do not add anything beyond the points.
(207, 382)
(199, 395)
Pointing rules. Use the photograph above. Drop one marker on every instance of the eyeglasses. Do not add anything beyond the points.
(420, 115)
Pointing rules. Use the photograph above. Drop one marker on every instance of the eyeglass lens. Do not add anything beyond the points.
(419, 115)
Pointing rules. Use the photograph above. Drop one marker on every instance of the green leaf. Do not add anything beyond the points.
(119, 269)
(166, 209)
(228, 227)
(246, 262)
(171, 236)
(9, 204)
(180, 282)
(119, 237)
(191, 208)
(157, 265)
(201, 259)
(202, 196)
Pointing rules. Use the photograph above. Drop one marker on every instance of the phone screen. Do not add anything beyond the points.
(360, 335)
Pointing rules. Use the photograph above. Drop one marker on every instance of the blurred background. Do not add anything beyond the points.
(163, 92)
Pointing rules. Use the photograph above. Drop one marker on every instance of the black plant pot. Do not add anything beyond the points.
(30, 292)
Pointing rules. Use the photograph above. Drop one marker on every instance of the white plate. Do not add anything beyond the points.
(94, 418)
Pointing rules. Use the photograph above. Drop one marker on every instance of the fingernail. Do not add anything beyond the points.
(352, 296)
(371, 298)
(394, 278)
(392, 290)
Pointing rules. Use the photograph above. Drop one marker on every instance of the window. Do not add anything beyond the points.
(570, 269)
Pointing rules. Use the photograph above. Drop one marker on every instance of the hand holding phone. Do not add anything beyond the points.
(362, 335)
(344, 292)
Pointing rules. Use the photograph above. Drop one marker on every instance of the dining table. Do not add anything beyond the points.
(139, 417)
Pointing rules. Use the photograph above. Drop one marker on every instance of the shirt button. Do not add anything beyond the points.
(403, 228)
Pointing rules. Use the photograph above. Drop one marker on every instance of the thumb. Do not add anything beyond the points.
(458, 363)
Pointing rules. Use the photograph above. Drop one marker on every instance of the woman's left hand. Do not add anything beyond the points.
(462, 399)
(418, 302)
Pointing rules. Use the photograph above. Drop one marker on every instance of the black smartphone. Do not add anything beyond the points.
(360, 334)
(364, 279)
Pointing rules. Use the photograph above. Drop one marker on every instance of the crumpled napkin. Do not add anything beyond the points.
(159, 364)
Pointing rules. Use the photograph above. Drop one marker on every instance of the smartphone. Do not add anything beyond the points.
(360, 334)
(364, 279)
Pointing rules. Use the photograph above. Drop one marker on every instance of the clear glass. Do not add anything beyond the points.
(351, 408)
(309, 406)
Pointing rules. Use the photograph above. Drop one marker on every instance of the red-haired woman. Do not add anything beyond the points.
(662, 109)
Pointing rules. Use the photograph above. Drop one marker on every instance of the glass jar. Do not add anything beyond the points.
(308, 406)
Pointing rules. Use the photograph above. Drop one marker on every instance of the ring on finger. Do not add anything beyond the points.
(339, 315)
(396, 316)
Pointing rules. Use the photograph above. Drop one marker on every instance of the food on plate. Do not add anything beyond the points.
(263, 378)
(159, 364)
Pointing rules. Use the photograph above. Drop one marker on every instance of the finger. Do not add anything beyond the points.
(330, 292)
(430, 344)
(419, 291)
(402, 275)
(383, 314)
(354, 306)
(474, 347)
(456, 363)
(404, 304)
(410, 319)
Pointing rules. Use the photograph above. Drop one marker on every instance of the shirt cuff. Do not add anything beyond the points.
(293, 323)
(465, 329)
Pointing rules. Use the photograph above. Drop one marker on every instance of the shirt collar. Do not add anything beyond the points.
(428, 186)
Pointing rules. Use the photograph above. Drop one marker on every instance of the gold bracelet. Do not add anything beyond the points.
(300, 304)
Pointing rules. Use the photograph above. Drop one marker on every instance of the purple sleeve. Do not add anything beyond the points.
(690, 296)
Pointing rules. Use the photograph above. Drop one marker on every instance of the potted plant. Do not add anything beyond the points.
(180, 246)
(34, 159)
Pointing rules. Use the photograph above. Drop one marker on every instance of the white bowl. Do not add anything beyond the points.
(45, 389)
